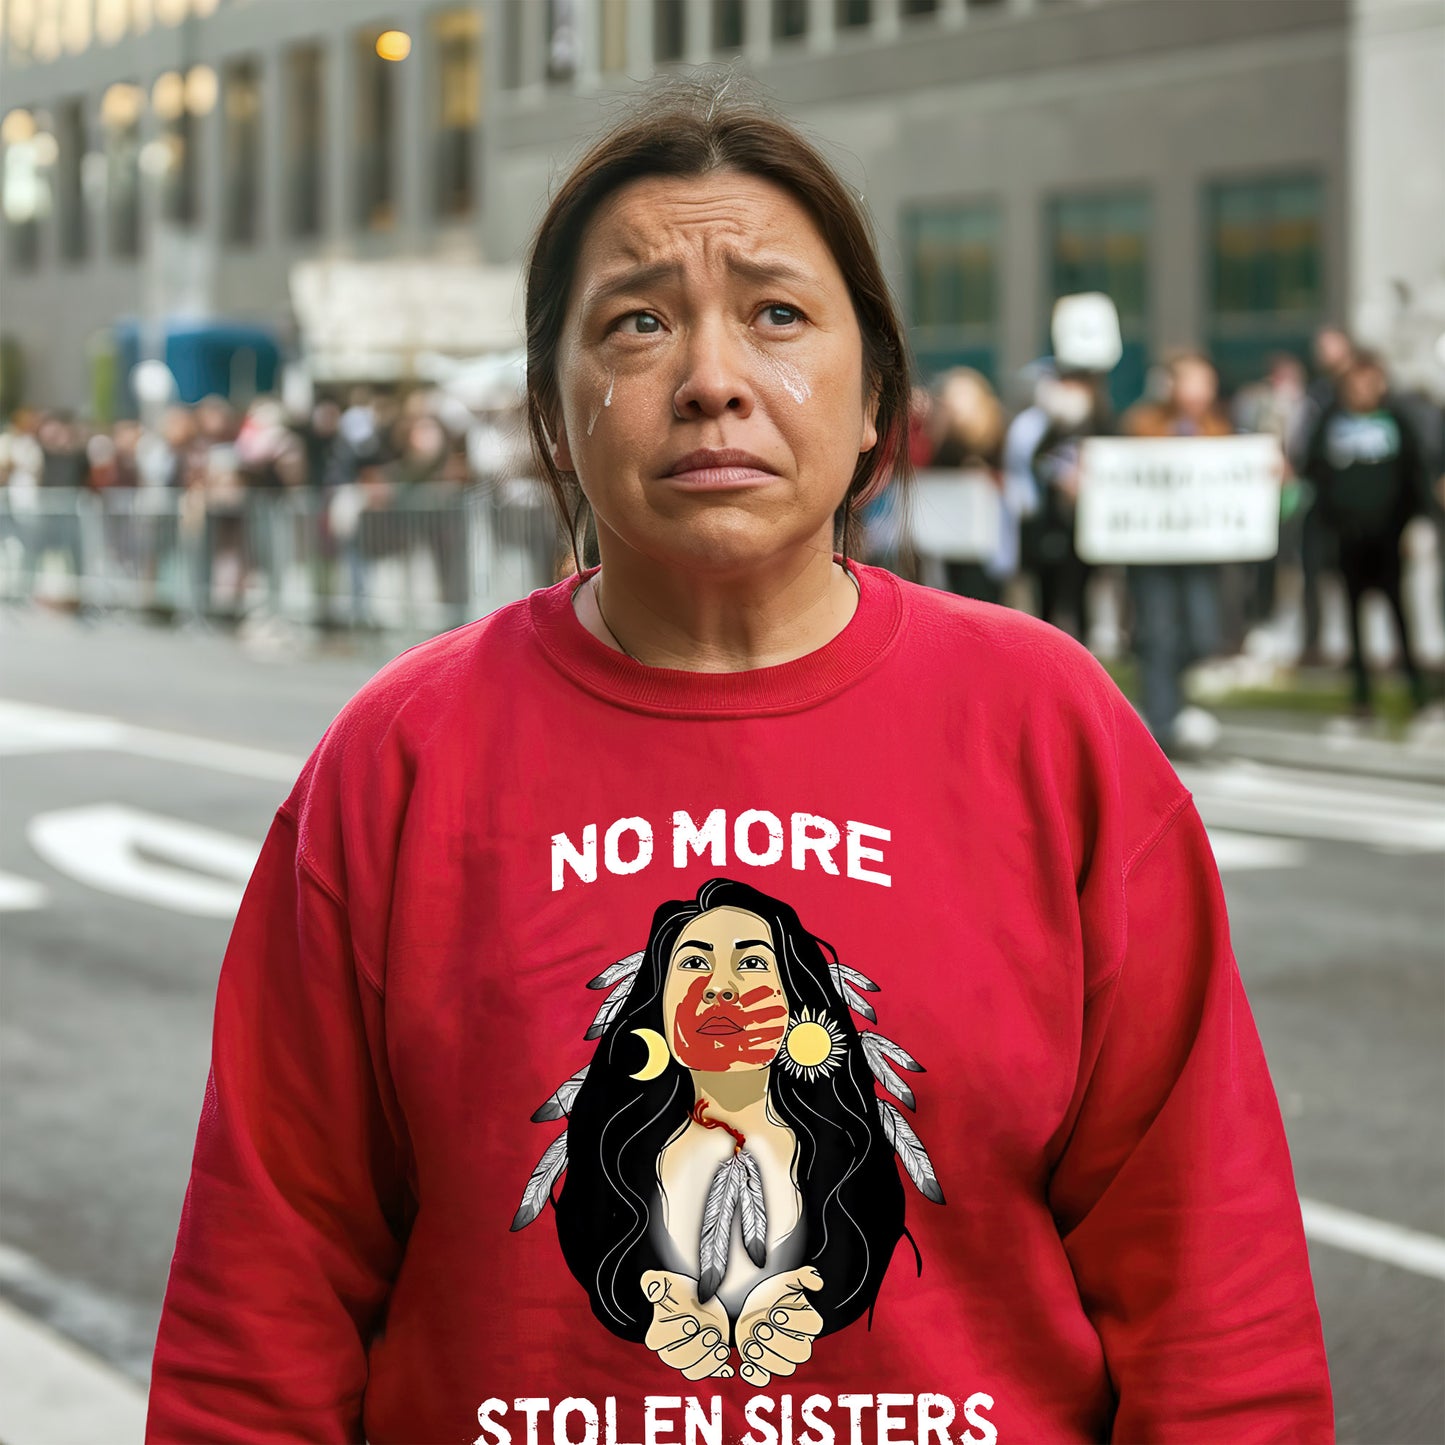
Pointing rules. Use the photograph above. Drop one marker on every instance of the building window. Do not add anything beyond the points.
(305, 137)
(951, 253)
(1101, 243)
(458, 109)
(790, 19)
(1266, 275)
(375, 131)
(853, 14)
(177, 149)
(241, 142)
(667, 36)
(120, 112)
(910, 9)
(612, 19)
(562, 39)
(72, 138)
(727, 26)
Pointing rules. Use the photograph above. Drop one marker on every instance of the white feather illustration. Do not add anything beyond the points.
(753, 1210)
(539, 1186)
(858, 1003)
(623, 968)
(610, 1005)
(841, 971)
(717, 1226)
(878, 1060)
(910, 1151)
(559, 1105)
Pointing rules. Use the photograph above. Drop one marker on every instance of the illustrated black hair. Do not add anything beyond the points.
(853, 1208)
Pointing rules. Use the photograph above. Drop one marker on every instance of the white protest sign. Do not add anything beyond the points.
(1178, 499)
(955, 515)
(1085, 331)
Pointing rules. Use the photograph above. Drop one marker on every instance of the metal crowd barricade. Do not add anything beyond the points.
(413, 560)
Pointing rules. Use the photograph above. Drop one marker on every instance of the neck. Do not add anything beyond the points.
(733, 1096)
(717, 617)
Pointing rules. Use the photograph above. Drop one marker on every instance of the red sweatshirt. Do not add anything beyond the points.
(845, 1051)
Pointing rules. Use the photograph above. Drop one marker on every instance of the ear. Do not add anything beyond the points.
(561, 451)
(870, 421)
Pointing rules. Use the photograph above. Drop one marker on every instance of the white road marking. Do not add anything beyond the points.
(1410, 1249)
(26, 728)
(1291, 802)
(18, 895)
(133, 854)
(1249, 852)
(52, 1392)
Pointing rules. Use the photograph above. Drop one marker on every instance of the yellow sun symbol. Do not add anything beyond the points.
(813, 1046)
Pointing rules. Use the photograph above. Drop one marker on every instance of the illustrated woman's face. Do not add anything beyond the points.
(723, 1005)
(709, 316)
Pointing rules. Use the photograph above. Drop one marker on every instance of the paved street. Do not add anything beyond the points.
(141, 769)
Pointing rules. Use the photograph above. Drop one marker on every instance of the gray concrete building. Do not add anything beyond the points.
(1233, 174)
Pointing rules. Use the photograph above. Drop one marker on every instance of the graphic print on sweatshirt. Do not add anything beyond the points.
(731, 1192)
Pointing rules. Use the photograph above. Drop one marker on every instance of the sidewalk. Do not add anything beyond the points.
(1333, 744)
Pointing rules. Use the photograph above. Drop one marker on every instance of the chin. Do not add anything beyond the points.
(725, 545)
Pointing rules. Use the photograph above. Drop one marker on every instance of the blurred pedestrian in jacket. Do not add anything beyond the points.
(1368, 468)
(1075, 407)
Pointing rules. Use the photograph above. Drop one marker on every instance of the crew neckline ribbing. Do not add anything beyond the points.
(786, 687)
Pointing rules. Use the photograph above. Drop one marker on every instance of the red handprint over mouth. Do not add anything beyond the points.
(713, 1037)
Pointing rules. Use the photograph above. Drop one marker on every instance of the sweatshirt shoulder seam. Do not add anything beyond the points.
(1151, 841)
(312, 870)
(1156, 835)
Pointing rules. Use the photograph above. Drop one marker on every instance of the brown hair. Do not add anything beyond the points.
(692, 128)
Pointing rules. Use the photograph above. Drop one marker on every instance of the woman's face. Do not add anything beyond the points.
(723, 1005)
(709, 315)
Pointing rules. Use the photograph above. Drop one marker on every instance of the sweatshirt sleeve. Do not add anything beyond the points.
(1174, 1192)
(292, 1225)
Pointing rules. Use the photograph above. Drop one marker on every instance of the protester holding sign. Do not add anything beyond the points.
(1176, 605)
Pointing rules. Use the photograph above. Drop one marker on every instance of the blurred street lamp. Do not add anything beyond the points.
(202, 89)
(393, 45)
(168, 95)
(17, 127)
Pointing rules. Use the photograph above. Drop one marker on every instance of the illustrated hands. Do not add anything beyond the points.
(778, 1325)
(690, 1336)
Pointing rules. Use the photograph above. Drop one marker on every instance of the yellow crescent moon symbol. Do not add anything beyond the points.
(658, 1057)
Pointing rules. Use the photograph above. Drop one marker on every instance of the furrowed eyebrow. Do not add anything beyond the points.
(637, 279)
(767, 270)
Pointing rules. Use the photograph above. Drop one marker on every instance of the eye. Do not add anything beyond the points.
(647, 324)
(780, 314)
(694, 963)
(753, 963)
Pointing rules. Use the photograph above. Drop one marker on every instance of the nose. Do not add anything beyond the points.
(715, 380)
(728, 994)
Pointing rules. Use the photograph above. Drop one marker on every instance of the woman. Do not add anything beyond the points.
(1176, 607)
(971, 426)
(955, 795)
(754, 1036)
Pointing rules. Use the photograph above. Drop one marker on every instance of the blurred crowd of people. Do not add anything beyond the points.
(1361, 461)
(355, 463)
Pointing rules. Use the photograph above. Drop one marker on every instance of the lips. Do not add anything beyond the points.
(719, 1027)
(715, 468)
